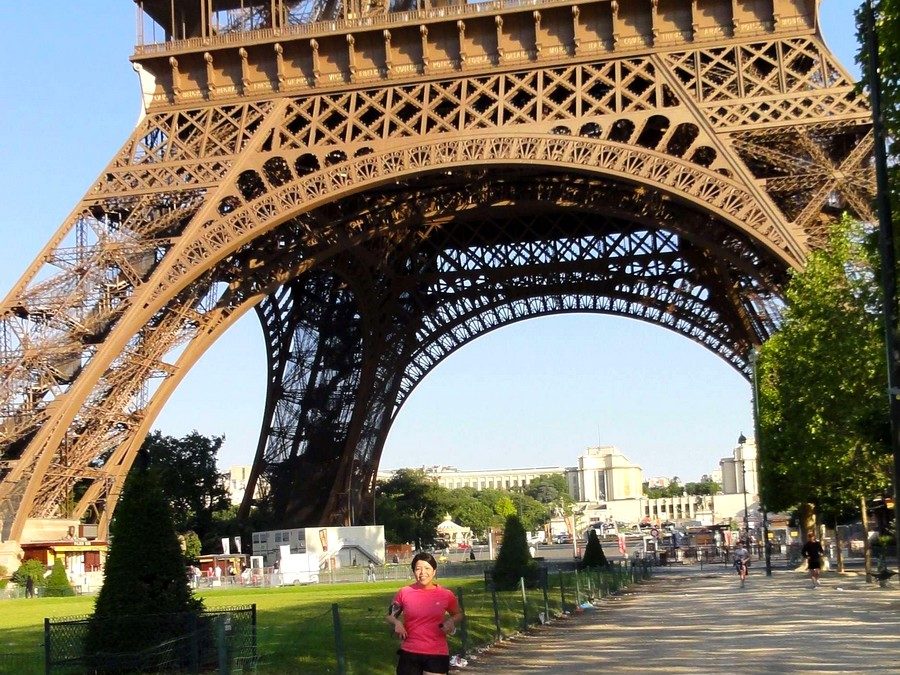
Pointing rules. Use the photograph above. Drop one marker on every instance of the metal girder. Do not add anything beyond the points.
(458, 268)
(389, 186)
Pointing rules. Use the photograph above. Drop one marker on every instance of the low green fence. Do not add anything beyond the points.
(222, 639)
(348, 638)
(491, 615)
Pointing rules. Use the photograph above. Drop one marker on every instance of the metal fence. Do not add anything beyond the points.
(491, 614)
(348, 639)
(224, 639)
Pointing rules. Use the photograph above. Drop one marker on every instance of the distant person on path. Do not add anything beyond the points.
(418, 614)
(471, 553)
(370, 572)
(741, 561)
(812, 550)
(29, 587)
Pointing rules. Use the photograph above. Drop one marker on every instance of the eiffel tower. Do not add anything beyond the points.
(384, 182)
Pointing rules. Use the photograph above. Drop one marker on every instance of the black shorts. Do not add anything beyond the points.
(814, 564)
(416, 664)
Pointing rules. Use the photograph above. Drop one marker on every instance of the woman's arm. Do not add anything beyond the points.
(393, 618)
(448, 625)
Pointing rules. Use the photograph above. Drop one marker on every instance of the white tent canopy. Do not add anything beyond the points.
(453, 533)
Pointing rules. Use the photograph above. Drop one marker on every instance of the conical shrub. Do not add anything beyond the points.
(145, 599)
(514, 561)
(593, 557)
(58, 585)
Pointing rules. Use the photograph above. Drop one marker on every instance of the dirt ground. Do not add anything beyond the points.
(686, 620)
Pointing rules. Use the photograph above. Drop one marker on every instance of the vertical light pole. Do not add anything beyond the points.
(888, 257)
(742, 441)
(350, 492)
(754, 358)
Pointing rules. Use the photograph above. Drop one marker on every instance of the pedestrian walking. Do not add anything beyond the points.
(370, 572)
(741, 561)
(29, 587)
(813, 552)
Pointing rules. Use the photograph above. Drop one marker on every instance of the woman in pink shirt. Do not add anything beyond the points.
(424, 628)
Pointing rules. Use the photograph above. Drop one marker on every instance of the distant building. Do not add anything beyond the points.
(498, 479)
(604, 474)
(607, 487)
(236, 479)
(739, 470)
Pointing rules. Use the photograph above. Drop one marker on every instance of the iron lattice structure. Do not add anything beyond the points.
(383, 185)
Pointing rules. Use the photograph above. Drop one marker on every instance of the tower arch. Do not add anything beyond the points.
(673, 179)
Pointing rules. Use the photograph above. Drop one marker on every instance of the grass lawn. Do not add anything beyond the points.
(294, 624)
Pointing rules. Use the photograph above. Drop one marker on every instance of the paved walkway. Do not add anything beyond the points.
(687, 620)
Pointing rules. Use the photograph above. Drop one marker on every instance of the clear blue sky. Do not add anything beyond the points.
(533, 394)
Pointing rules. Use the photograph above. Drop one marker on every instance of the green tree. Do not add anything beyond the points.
(469, 511)
(225, 523)
(144, 574)
(499, 502)
(888, 28)
(593, 553)
(514, 561)
(673, 489)
(190, 480)
(531, 512)
(822, 377)
(550, 489)
(191, 545)
(706, 486)
(30, 568)
(410, 505)
(58, 585)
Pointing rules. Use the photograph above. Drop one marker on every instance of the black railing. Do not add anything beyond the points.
(195, 642)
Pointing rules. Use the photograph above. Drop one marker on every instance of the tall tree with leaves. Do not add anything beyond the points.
(532, 513)
(190, 480)
(887, 27)
(822, 378)
(500, 502)
(469, 511)
(552, 490)
(410, 505)
(883, 24)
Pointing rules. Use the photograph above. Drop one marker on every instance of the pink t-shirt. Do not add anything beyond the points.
(423, 611)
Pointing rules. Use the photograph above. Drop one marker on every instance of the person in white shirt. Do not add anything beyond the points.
(741, 561)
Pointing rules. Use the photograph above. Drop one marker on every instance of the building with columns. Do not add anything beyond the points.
(739, 470)
(236, 479)
(604, 474)
(498, 479)
(608, 487)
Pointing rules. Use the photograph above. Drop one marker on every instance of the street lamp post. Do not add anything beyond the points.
(741, 442)
(767, 548)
